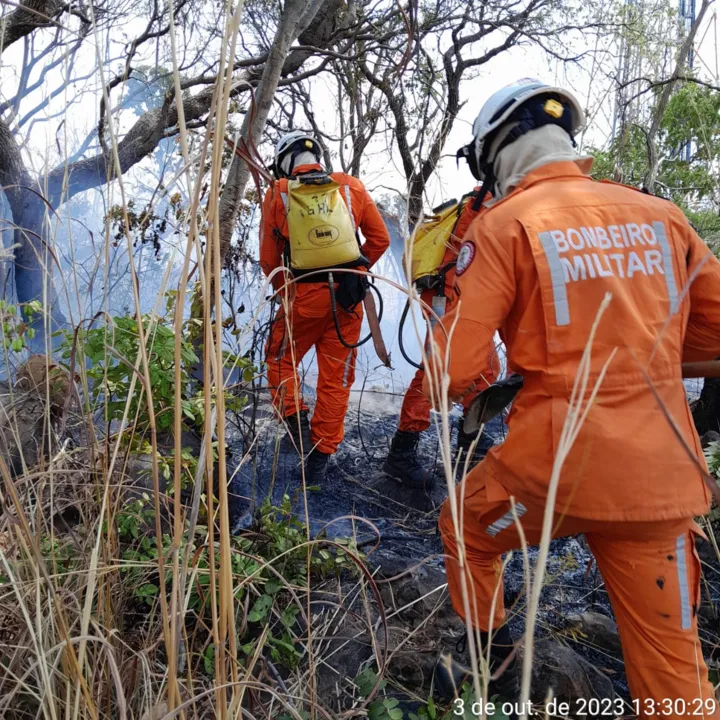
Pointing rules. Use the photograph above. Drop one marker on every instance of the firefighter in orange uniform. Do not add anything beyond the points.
(310, 225)
(402, 462)
(537, 266)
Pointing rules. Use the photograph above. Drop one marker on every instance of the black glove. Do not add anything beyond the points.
(351, 290)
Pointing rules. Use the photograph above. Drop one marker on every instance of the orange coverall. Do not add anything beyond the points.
(415, 410)
(311, 321)
(544, 258)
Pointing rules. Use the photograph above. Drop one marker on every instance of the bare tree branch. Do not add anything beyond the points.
(668, 87)
(28, 16)
(296, 17)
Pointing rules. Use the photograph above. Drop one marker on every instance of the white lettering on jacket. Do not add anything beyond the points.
(580, 260)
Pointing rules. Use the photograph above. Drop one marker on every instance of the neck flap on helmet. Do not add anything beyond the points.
(301, 145)
(545, 109)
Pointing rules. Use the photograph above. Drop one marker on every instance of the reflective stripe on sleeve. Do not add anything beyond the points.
(284, 197)
(562, 309)
(685, 616)
(667, 259)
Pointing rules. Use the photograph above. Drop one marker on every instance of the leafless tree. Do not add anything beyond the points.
(421, 83)
(397, 69)
(56, 33)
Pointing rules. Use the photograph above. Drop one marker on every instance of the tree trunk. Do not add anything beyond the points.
(296, 16)
(34, 261)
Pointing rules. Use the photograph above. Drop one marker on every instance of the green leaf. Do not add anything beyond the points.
(209, 660)
(289, 615)
(147, 592)
(365, 682)
(260, 608)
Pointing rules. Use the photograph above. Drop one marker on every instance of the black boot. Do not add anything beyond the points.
(450, 675)
(316, 468)
(402, 462)
(464, 447)
(298, 428)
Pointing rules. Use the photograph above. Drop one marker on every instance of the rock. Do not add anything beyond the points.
(22, 428)
(138, 480)
(571, 678)
(45, 377)
(138, 475)
(421, 625)
(23, 411)
(709, 437)
(598, 630)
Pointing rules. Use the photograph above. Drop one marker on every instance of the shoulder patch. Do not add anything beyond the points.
(465, 257)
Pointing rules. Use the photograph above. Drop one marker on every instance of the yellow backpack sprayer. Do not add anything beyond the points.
(424, 253)
(322, 240)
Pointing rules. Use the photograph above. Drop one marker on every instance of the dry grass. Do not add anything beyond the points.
(76, 640)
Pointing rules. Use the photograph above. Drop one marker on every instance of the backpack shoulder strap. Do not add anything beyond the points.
(461, 207)
(477, 197)
(348, 202)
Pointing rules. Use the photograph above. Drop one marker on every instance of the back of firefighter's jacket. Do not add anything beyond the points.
(560, 244)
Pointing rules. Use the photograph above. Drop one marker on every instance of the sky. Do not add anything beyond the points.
(522, 62)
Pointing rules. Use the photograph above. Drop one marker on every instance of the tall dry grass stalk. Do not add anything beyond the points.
(96, 588)
(578, 408)
(579, 405)
(83, 660)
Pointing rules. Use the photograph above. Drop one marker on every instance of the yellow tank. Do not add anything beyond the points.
(429, 241)
(320, 227)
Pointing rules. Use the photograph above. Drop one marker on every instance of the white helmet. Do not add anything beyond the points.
(296, 142)
(562, 108)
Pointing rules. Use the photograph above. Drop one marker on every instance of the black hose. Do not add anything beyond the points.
(333, 306)
(403, 317)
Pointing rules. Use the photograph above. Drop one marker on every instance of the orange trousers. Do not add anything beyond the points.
(415, 410)
(310, 324)
(650, 569)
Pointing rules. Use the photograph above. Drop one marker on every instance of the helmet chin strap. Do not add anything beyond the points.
(488, 185)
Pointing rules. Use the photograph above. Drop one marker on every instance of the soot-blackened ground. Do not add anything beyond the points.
(359, 501)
